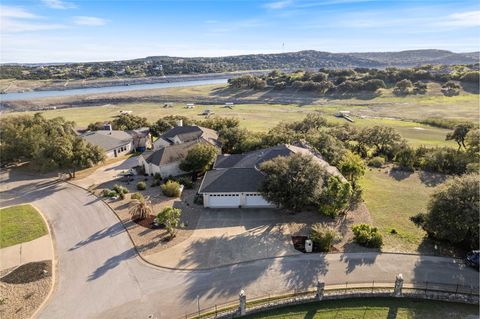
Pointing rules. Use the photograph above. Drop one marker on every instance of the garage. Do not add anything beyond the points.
(255, 200)
(222, 200)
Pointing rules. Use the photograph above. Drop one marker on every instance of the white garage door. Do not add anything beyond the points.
(224, 200)
(255, 200)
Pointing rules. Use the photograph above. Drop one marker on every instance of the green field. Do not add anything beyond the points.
(373, 308)
(391, 198)
(19, 224)
(255, 117)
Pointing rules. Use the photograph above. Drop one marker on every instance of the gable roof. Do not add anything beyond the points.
(169, 154)
(231, 180)
(189, 133)
(106, 139)
(241, 173)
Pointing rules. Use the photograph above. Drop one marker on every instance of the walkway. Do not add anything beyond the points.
(36, 250)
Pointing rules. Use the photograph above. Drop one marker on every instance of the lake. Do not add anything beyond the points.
(107, 89)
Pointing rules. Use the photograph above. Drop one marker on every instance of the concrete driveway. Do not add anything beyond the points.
(229, 236)
(107, 173)
(100, 275)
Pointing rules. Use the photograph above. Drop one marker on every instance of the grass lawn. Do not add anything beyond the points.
(373, 308)
(20, 224)
(255, 117)
(391, 198)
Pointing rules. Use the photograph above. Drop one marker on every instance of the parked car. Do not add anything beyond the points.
(472, 259)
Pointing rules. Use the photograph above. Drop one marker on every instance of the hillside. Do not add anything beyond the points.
(166, 65)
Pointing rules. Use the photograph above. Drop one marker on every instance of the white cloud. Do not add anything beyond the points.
(59, 4)
(278, 4)
(89, 21)
(16, 19)
(463, 19)
(15, 12)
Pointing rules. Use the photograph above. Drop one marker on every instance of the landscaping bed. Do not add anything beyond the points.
(24, 289)
(149, 239)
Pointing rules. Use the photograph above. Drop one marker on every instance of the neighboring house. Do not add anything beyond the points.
(142, 140)
(235, 179)
(182, 134)
(172, 147)
(166, 161)
(114, 142)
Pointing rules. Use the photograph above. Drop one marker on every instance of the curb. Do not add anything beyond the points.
(142, 258)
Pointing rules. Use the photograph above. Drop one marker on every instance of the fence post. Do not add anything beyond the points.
(243, 303)
(397, 291)
(426, 287)
(320, 290)
(456, 290)
(373, 285)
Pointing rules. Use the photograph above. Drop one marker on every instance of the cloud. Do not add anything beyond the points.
(59, 4)
(16, 19)
(463, 19)
(278, 4)
(15, 12)
(89, 21)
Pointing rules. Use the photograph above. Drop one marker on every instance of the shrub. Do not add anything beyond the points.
(170, 218)
(122, 195)
(109, 193)
(324, 236)
(376, 161)
(171, 189)
(185, 181)
(141, 186)
(137, 196)
(367, 236)
(120, 189)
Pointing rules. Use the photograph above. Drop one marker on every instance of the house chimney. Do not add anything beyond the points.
(179, 122)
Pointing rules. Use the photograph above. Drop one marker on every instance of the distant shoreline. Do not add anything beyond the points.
(64, 85)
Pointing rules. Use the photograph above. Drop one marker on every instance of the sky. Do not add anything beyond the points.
(33, 31)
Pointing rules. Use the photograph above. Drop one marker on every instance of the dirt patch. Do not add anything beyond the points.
(24, 289)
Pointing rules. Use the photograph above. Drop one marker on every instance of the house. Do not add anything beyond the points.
(114, 142)
(235, 179)
(166, 160)
(172, 147)
(182, 134)
(142, 140)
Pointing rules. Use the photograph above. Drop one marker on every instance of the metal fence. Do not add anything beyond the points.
(427, 290)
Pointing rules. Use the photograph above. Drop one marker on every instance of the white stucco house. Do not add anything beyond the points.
(172, 147)
(235, 179)
(182, 134)
(116, 143)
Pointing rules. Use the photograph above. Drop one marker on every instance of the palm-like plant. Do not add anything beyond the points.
(140, 209)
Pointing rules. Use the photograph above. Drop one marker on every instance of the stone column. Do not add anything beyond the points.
(320, 290)
(397, 291)
(243, 303)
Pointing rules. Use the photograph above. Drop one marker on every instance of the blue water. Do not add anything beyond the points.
(107, 89)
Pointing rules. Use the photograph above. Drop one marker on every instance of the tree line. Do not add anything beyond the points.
(46, 144)
(348, 81)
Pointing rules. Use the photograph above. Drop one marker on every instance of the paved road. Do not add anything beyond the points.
(100, 276)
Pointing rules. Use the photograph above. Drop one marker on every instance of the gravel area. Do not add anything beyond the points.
(24, 289)
(301, 223)
(149, 241)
